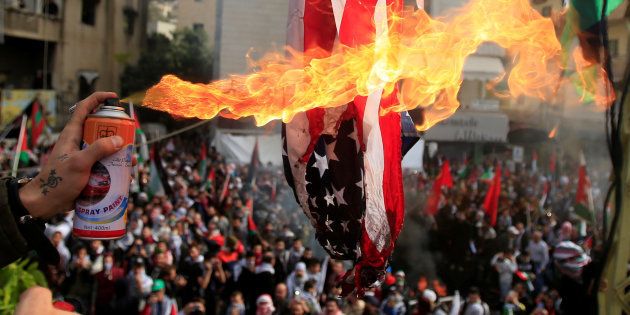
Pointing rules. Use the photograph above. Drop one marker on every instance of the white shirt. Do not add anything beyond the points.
(539, 252)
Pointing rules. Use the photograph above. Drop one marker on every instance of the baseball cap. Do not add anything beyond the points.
(157, 285)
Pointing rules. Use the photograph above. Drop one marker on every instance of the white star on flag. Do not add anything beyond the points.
(339, 195)
(328, 223)
(330, 199)
(330, 247)
(321, 164)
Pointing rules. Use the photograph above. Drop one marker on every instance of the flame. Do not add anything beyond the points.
(440, 289)
(553, 132)
(423, 56)
(423, 284)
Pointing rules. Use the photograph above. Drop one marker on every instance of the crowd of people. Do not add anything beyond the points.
(223, 238)
(538, 258)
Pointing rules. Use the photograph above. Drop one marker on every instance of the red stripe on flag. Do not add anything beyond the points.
(358, 28)
(319, 39)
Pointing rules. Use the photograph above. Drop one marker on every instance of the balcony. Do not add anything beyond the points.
(30, 25)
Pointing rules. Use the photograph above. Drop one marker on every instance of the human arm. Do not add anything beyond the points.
(53, 190)
(207, 275)
(37, 300)
(456, 304)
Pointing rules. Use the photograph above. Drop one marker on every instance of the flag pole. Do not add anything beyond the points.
(18, 148)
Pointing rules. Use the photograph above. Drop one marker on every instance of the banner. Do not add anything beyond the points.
(13, 102)
(471, 126)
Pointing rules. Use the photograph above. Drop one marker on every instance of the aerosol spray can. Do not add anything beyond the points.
(101, 209)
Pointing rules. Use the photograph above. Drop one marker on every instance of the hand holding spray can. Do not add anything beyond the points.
(101, 209)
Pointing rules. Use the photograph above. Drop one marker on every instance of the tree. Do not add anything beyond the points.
(187, 55)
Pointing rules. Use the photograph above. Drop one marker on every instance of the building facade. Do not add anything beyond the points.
(74, 47)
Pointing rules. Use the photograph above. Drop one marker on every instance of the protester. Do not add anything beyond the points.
(206, 235)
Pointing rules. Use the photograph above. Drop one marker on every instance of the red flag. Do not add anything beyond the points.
(491, 202)
(443, 179)
(37, 122)
(251, 225)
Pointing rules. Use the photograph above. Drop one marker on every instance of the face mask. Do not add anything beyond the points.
(107, 266)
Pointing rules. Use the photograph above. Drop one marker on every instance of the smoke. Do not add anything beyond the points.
(412, 253)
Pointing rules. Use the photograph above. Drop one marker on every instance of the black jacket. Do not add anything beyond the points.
(12, 244)
(16, 239)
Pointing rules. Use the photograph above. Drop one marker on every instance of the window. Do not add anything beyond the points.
(613, 47)
(88, 12)
(130, 19)
(546, 11)
(86, 87)
(198, 26)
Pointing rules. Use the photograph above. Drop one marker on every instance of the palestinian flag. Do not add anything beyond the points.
(143, 150)
(225, 189)
(155, 182)
(583, 198)
(487, 175)
(464, 169)
(202, 166)
(210, 180)
(491, 201)
(254, 164)
(38, 123)
(583, 22)
(24, 153)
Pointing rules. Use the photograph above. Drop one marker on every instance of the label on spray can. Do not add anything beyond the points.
(100, 210)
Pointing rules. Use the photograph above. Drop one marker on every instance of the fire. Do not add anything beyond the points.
(552, 134)
(423, 56)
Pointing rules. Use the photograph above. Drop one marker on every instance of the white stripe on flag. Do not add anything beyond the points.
(338, 7)
(298, 138)
(295, 25)
(376, 223)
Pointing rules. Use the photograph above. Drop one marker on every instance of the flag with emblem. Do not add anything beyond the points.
(344, 163)
(202, 166)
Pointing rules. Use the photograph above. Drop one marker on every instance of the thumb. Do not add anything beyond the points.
(101, 148)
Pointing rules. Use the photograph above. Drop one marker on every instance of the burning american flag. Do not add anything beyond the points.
(352, 68)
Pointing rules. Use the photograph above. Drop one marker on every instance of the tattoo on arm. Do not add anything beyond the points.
(52, 182)
(63, 157)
